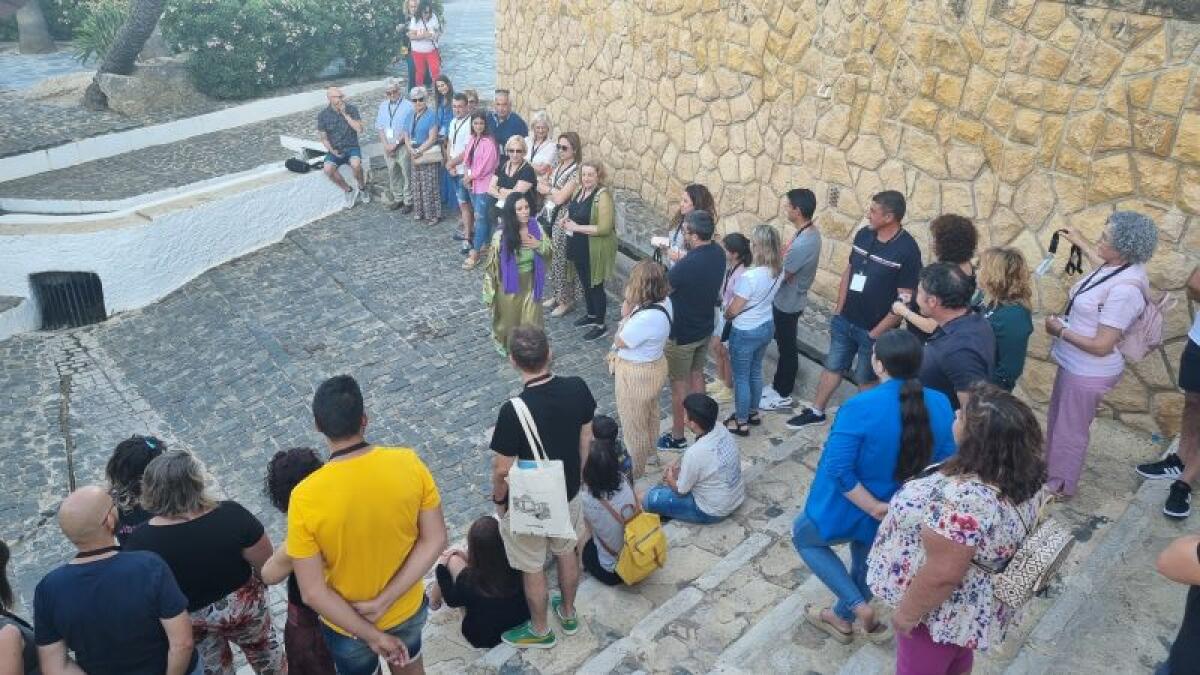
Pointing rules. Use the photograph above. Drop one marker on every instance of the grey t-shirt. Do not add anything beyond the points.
(603, 526)
(341, 135)
(29, 656)
(801, 263)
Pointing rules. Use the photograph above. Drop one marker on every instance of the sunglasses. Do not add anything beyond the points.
(419, 100)
(515, 151)
(565, 147)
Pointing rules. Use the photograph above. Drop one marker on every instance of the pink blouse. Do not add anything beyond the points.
(484, 158)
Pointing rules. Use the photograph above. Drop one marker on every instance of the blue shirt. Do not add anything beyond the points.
(109, 613)
(395, 116)
(512, 125)
(421, 126)
(864, 447)
(695, 292)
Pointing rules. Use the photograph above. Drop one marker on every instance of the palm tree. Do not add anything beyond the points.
(32, 33)
(143, 17)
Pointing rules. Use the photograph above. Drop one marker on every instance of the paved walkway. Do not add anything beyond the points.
(21, 71)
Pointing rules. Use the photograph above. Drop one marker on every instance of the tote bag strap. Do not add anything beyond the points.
(531, 431)
(637, 511)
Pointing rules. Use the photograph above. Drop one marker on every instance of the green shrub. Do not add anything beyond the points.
(98, 30)
(243, 48)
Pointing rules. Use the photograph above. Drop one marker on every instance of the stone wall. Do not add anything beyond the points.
(1027, 115)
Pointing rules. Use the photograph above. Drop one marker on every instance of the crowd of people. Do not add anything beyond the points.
(931, 473)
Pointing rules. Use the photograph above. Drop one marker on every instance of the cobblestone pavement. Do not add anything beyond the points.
(227, 365)
(468, 56)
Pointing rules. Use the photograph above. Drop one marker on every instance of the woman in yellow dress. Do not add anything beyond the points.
(515, 277)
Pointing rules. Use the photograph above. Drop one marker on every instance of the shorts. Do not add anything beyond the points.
(527, 552)
(335, 160)
(352, 656)
(1189, 368)
(683, 360)
(462, 195)
(846, 341)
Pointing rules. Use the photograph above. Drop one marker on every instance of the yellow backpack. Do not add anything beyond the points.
(645, 548)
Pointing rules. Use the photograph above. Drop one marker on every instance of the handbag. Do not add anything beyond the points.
(537, 490)
(432, 155)
(727, 329)
(645, 543)
(1038, 557)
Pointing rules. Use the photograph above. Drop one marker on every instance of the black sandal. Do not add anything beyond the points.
(738, 429)
(754, 420)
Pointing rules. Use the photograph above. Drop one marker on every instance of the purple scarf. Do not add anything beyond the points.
(510, 276)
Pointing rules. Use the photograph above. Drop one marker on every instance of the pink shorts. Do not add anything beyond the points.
(918, 654)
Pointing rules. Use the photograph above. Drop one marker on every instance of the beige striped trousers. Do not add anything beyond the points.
(638, 387)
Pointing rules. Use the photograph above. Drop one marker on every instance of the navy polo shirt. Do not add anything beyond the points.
(695, 292)
(512, 125)
(958, 355)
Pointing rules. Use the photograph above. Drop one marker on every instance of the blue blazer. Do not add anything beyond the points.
(864, 447)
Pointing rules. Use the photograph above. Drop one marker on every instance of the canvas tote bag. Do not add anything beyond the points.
(537, 490)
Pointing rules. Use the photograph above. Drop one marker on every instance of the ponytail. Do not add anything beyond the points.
(916, 436)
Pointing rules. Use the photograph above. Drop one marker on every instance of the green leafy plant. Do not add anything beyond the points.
(98, 29)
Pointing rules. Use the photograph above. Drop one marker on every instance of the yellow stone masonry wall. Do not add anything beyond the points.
(1026, 115)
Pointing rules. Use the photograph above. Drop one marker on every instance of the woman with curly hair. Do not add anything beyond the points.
(124, 473)
(307, 652)
(954, 240)
(1100, 308)
(638, 363)
(695, 197)
(944, 531)
(1007, 294)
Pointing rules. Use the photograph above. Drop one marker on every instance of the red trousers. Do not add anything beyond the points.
(423, 61)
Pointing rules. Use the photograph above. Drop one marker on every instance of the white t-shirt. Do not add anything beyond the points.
(425, 45)
(545, 152)
(711, 470)
(1194, 333)
(604, 527)
(646, 332)
(459, 136)
(1116, 303)
(758, 288)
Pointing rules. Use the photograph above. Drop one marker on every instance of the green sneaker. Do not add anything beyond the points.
(523, 637)
(569, 626)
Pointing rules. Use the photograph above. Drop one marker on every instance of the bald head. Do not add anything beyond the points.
(84, 517)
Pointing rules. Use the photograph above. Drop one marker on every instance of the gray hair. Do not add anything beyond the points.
(417, 92)
(392, 83)
(175, 484)
(1132, 235)
(541, 117)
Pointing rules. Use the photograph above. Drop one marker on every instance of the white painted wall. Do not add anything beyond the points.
(20, 319)
(109, 145)
(143, 255)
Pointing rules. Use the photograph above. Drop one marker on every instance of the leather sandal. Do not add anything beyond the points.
(735, 427)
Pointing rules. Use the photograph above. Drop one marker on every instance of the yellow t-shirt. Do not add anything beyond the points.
(360, 514)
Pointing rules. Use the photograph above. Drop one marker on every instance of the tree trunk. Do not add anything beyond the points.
(143, 17)
(32, 33)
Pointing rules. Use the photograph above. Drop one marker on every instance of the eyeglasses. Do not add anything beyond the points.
(565, 147)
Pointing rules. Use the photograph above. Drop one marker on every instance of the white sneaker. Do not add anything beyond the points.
(354, 193)
(781, 404)
(769, 397)
(349, 197)
(366, 195)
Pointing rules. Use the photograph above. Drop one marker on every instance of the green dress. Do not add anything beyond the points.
(516, 309)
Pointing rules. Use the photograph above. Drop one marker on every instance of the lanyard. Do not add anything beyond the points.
(392, 113)
(533, 154)
(538, 380)
(416, 120)
(797, 236)
(96, 551)
(559, 173)
(1088, 285)
(455, 129)
(345, 451)
(728, 276)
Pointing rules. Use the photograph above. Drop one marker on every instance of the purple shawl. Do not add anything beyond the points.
(510, 276)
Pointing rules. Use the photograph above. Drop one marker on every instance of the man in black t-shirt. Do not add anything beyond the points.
(962, 350)
(884, 263)
(695, 295)
(121, 613)
(562, 409)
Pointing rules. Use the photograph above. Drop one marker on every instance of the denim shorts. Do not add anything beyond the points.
(461, 194)
(352, 656)
(846, 341)
(336, 160)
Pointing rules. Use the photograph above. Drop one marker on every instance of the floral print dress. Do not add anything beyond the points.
(966, 511)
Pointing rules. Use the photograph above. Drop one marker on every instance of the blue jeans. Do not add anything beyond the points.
(746, 351)
(846, 341)
(664, 501)
(462, 193)
(482, 203)
(352, 656)
(849, 587)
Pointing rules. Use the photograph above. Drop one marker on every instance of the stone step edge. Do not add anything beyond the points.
(688, 597)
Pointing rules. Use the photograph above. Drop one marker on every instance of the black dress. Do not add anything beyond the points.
(486, 617)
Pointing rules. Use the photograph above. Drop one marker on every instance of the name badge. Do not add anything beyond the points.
(391, 133)
(858, 282)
